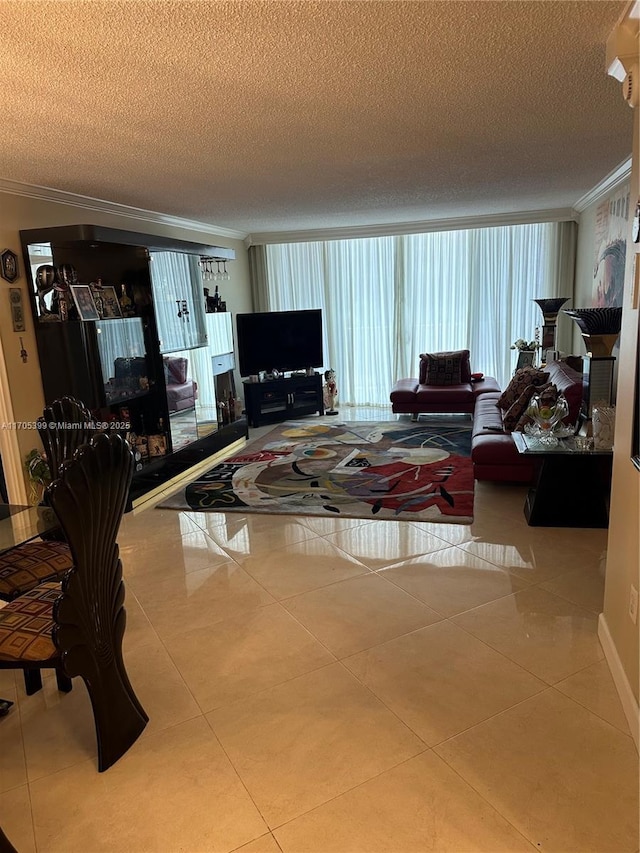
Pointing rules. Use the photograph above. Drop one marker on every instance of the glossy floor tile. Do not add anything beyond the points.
(264, 844)
(440, 680)
(17, 823)
(240, 535)
(533, 780)
(358, 613)
(381, 543)
(176, 603)
(304, 742)
(593, 688)
(545, 634)
(421, 805)
(341, 686)
(452, 580)
(241, 656)
(298, 568)
(205, 804)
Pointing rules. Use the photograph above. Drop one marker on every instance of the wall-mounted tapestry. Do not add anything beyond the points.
(612, 217)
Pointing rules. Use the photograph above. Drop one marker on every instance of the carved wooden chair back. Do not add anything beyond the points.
(89, 499)
(64, 426)
(77, 628)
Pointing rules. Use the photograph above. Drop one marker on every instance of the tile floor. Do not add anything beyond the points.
(333, 686)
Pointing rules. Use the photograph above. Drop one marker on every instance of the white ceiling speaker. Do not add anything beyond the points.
(630, 87)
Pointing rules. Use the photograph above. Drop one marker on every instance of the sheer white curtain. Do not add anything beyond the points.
(385, 300)
(119, 339)
(177, 276)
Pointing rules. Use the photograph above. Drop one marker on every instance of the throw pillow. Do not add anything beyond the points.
(522, 378)
(515, 416)
(465, 364)
(443, 369)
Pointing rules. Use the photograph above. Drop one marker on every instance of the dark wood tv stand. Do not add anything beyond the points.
(277, 400)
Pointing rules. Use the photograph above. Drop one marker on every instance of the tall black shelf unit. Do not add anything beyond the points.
(69, 350)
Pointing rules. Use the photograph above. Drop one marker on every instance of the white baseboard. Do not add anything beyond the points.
(629, 701)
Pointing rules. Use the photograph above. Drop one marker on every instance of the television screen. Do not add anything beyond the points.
(280, 340)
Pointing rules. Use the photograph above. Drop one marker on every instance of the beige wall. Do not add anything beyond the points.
(623, 554)
(25, 388)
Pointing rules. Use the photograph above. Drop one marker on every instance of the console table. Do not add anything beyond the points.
(278, 399)
(572, 486)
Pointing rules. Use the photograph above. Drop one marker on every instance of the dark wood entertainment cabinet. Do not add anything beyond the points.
(117, 364)
(276, 400)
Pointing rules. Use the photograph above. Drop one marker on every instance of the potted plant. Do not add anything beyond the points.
(38, 474)
(523, 346)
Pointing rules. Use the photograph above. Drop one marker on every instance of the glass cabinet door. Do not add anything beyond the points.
(204, 398)
(178, 300)
(123, 359)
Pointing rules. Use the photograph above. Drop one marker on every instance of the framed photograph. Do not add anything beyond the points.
(526, 358)
(111, 309)
(83, 297)
(157, 445)
(17, 313)
(9, 265)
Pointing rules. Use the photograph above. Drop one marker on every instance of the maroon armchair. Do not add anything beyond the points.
(182, 393)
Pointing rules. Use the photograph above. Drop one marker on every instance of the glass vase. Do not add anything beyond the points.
(547, 417)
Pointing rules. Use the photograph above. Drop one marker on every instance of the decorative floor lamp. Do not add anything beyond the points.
(599, 328)
(547, 332)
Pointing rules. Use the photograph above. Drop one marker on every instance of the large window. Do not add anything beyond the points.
(386, 300)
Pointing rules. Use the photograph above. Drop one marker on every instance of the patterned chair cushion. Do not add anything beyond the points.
(30, 564)
(26, 624)
(522, 378)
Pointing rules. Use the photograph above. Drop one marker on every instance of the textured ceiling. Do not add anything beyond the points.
(268, 116)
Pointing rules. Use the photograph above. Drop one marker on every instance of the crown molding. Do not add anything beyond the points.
(101, 206)
(607, 185)
(460, 223)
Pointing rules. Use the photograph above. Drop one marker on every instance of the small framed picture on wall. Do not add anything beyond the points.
(17, 313)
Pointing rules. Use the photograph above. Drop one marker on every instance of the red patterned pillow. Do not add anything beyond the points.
(465, 364)
(522, 379)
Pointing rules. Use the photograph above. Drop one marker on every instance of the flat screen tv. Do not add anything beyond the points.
(279, 340)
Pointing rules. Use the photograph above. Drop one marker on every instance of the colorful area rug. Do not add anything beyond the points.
(413, 471)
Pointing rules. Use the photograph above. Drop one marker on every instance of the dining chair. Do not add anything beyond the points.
(77, 627)
(65, 425)
(5, 845)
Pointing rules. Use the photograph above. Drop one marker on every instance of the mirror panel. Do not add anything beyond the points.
(178, 301)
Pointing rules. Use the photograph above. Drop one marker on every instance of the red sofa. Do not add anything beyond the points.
(493, 451)
(417, 397)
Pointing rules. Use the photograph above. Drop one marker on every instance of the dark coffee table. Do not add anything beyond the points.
(572, 486)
